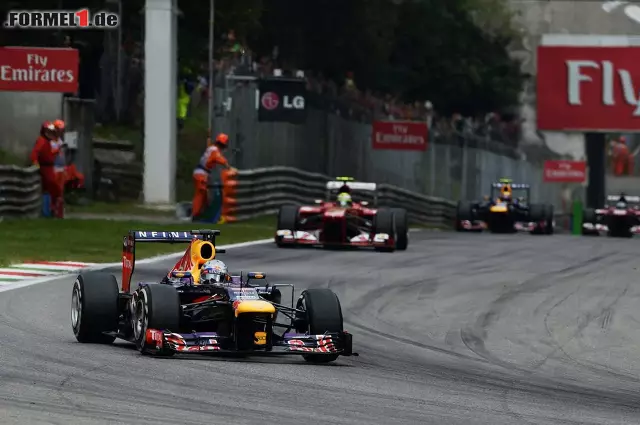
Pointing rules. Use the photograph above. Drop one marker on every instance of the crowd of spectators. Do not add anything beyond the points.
(233, 57)
(238, 59)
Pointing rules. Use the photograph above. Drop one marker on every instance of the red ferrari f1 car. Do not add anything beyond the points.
(342, 221)
(183, 312)
(620, 217)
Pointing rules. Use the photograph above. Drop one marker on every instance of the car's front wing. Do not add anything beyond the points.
(597, 228)
(379, 240)
(521, 226)
(210, 342)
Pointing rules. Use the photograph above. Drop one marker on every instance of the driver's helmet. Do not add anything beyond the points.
(344, 200)
(214, 271)
(505, 193)
(621, 205)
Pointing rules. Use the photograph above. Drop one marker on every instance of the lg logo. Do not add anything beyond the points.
(271, 101)
(631, 10)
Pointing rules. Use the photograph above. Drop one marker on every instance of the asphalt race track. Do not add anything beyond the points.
(459, 329)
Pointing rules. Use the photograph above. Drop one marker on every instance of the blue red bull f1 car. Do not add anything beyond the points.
(503, 212)
(179, 313)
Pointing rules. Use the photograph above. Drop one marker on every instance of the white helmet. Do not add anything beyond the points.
(214, 271)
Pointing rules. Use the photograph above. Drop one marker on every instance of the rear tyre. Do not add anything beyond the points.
(384, 222)
(157, 307)
(323, 314)
(287, 220)
(94, 307)
(402, 228)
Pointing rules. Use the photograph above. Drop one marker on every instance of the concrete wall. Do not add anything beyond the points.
(564, 17)
(22, 114)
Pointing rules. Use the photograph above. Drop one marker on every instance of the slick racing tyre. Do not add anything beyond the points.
(156, 306)
(464, 212)
(323, 313)
(384, 222)
(589, 216)
(402, 228)
(542, 213)
(287, 220)
(94, 307)
(549, 220)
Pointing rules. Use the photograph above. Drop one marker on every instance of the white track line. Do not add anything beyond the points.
(24, 283)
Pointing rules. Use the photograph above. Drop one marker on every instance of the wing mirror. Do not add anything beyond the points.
(318, 201)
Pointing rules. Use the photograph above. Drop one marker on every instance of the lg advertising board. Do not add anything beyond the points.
(282, 100)
(400, 135)
(588, 88)
(39, 69)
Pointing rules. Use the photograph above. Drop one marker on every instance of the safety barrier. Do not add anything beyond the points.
(253, 193)
(20, 193)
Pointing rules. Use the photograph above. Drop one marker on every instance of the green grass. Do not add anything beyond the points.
(119, 132)
(190, 145)
(100, 241)
(9, 158)
(122, 208)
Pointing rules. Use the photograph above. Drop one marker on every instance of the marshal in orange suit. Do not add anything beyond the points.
(211, 157)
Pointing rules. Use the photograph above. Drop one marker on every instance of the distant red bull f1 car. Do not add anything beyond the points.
(503, 212)
(620, 217)
(342, 221)
(184, 313)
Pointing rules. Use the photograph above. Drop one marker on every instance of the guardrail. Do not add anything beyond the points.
(20, 193)
(262, 191)
(250, 193)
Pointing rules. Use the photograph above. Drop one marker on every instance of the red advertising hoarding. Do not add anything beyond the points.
(39, 69)
(562, 171)
(400, 135)
(588, 89)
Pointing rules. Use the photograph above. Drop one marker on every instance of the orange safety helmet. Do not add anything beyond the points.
(222, 139)
(59, 124)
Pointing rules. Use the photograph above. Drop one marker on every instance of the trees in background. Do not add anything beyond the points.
(452, 52)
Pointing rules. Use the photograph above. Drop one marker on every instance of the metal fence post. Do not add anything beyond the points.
(465, 163)
(79, 116)
(432, 172)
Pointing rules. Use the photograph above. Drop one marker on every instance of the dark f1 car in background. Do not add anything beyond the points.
(341, 220)
(620, 217)
(182, 314)
(504, 213)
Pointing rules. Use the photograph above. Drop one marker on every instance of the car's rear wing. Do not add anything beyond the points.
(630, 198)
(335, 185)
(366, 191)
(514, 186)
(205, 236)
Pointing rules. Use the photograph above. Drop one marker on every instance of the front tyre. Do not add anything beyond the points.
(287, 220)
(323, 314)
(157, 307)
(94, 307)
(384, 222)
(402, 228)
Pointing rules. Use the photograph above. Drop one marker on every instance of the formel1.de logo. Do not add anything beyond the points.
(60, 19)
